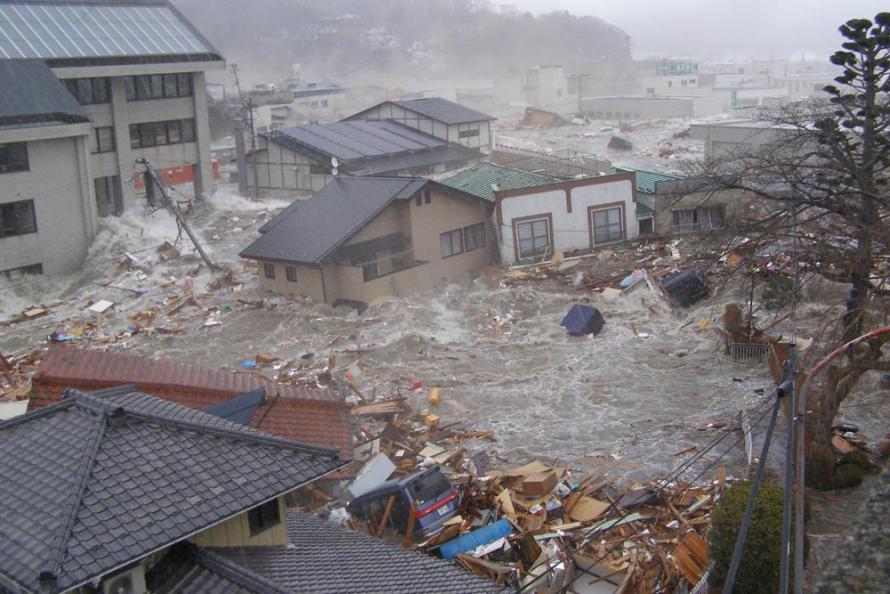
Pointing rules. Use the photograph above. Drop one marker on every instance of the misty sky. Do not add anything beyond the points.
(721, 28)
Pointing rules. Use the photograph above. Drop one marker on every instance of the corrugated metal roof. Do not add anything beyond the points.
(30, 93)
(356, 140)
(84, 30)
(646, 180)
(443, 110)
(308, 230)
(479, 180)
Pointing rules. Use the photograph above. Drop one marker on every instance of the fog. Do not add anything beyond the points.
(720, 29)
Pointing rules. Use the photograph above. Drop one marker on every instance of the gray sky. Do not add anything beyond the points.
(721, 28)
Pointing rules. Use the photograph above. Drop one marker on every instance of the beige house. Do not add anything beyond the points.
(363, 238)
(689, 206)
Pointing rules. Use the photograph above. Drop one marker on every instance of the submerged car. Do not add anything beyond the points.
(434, 498)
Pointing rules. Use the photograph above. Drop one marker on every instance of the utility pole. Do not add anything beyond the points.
(167, 202)
(256, 183)
(237, 82)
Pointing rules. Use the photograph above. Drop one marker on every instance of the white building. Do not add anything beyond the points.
(47, 215)
(546, 87)
(136, 67)
(436, 116)
(583, 214)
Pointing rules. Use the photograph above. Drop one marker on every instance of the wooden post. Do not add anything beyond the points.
(409, 532)
(388, 509)
(7, 370)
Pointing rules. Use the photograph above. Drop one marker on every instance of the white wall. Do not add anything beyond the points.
(59, 184)
(570, 228)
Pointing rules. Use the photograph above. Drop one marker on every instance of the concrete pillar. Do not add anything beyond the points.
(125, 156)
(202, 136)
(88, 199)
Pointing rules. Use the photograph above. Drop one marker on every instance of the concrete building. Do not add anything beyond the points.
(723, 139)
(436, 116)
(547, 87)
(636, 107)
(47, 215)
(361, 238)
(305, 159)
(582, 214)
(667, 77)
(137, 68)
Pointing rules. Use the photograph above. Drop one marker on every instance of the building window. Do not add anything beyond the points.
(89, 91)
(451, 243)
(291, 273)
(263, 517)
(269, 270)
(324, 102)
(17, 273)
(534, 237)
(427, 196)
(468, 133)
(161, 133)
(102, 140)
(697, 219)
(158, 86)
(647, 226)
(17, 218)
(319, 169)
(14, 157)
(418, 200)
(607, 225)
(109, 196)
(474, 237)
(369, 271)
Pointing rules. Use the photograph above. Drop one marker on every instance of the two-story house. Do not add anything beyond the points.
(121, 492)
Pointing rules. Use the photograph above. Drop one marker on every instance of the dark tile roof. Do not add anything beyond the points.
(443, 110)
(200, 571)
(308, 230)
(350, 141)
(451, 155)
(97, 481)
(78, 31)
(30, 93)
(317, 417)
(326, 559)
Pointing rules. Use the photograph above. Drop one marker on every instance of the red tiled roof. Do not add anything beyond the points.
(311, 416)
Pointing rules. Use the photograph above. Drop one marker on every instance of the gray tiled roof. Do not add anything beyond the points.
(443, 110)
(326, 559)
(30, 93)
(200, 571)
(99, 480)
(349, 141)
(82, 31)
(308, 230)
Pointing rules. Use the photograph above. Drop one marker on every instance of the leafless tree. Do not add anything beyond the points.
(822, 167)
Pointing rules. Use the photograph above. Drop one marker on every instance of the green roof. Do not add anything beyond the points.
(643, 210)
(479, 180)
(646, 180)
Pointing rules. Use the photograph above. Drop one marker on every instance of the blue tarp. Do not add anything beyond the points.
(239, 409)
(583, 319)
(478, 537)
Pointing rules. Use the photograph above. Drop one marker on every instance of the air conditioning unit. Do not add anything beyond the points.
(131, 581)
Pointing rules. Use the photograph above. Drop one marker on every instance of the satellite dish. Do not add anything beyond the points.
(334, 162)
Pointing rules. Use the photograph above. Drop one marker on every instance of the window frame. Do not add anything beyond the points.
(449, 236)
(263, 517)
(607, 208)
(100, 147)
(545, 218)
(147, 87)
(473, 133)
(269, 270)
(479, 230)
(290, 272)
(9, 166)
(148, 134)
(19, 210)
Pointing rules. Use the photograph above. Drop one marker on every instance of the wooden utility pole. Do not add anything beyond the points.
(167, 202)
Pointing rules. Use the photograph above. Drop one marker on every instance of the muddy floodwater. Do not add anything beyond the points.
(654, 383)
